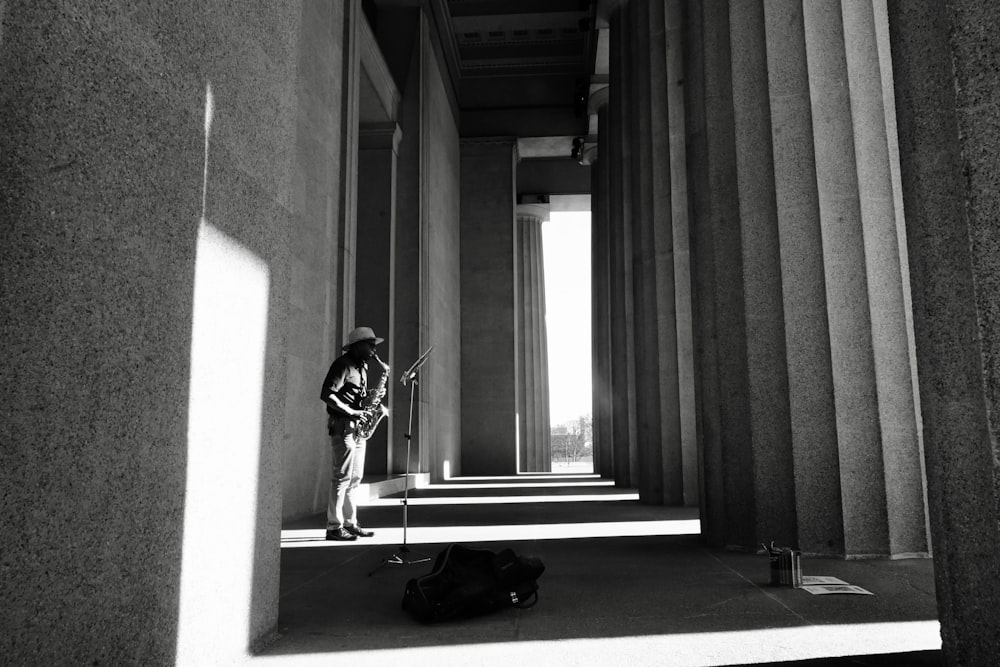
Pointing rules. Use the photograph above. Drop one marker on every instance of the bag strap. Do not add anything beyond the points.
(527, 602)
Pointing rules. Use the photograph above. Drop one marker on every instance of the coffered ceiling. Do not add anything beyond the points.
(528, 57)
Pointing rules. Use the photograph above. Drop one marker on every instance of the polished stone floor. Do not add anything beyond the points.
(625, 584)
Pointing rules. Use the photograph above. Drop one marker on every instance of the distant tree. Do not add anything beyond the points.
(573, 441)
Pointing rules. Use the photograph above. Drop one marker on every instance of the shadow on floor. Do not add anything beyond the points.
(625, 583)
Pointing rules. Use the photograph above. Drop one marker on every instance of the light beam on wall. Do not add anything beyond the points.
(228, 343)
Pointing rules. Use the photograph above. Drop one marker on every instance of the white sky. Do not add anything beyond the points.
(566, 256)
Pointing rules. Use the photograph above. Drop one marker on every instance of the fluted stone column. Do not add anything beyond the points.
(729, 509)
(533, 430)
(901, 453)
(601, 249)
(769, 435)
(649, 482)
(807, 337)
(711, 493)
(622, 339)
(805, 354)
(680, 225)
(855, 396)
(945, 65)
(659, 439)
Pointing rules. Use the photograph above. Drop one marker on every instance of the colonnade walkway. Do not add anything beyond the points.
(624, 584)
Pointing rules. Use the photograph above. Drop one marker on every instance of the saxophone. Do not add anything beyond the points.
(374, 411)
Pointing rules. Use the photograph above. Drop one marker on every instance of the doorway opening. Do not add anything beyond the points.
(566, 258)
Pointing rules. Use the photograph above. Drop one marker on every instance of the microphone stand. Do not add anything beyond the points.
(402, 557)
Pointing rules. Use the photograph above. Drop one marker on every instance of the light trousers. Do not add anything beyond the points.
(348, 469)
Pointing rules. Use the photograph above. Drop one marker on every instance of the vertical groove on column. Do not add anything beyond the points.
(855, 397)
(807, 336)
(770, 429)
(900, 450)
(892, 132)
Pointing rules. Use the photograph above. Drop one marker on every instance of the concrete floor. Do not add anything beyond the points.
(625, 584)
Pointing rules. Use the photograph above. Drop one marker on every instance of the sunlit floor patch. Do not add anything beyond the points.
(504, 500)
(561, 483)
(449, 534)
(678, 650)
(549, 477)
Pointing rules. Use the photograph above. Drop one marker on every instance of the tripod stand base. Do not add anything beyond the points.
(402, 557)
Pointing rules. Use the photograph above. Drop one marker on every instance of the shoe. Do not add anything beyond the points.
(358, 531)
(340, 535)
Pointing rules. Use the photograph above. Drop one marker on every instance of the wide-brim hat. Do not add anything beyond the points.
(361, 334)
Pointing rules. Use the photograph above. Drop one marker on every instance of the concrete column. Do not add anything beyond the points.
(660, 473)
(543, 446)
(803, 284)
(769, 436)
(525, 400)
(680, 213)
(533, 430)
(862, 471)
(601, 249)
(647, 399)
(945, 61)
(623, 414)
(711, 493)
(728, 454)
(901, 455)
(378, 145)
(490, 307)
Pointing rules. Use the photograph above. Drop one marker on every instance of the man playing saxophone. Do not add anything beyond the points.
(351, 418)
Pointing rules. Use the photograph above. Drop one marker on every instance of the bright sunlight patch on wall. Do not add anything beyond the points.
(228, 340)
(228, 347)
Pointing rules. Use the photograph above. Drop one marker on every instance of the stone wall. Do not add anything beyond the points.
(440, 433)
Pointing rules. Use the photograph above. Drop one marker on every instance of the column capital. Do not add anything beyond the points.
(540, 212)
(600, 93)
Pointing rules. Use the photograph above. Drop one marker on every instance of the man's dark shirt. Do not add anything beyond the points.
(348, 379)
